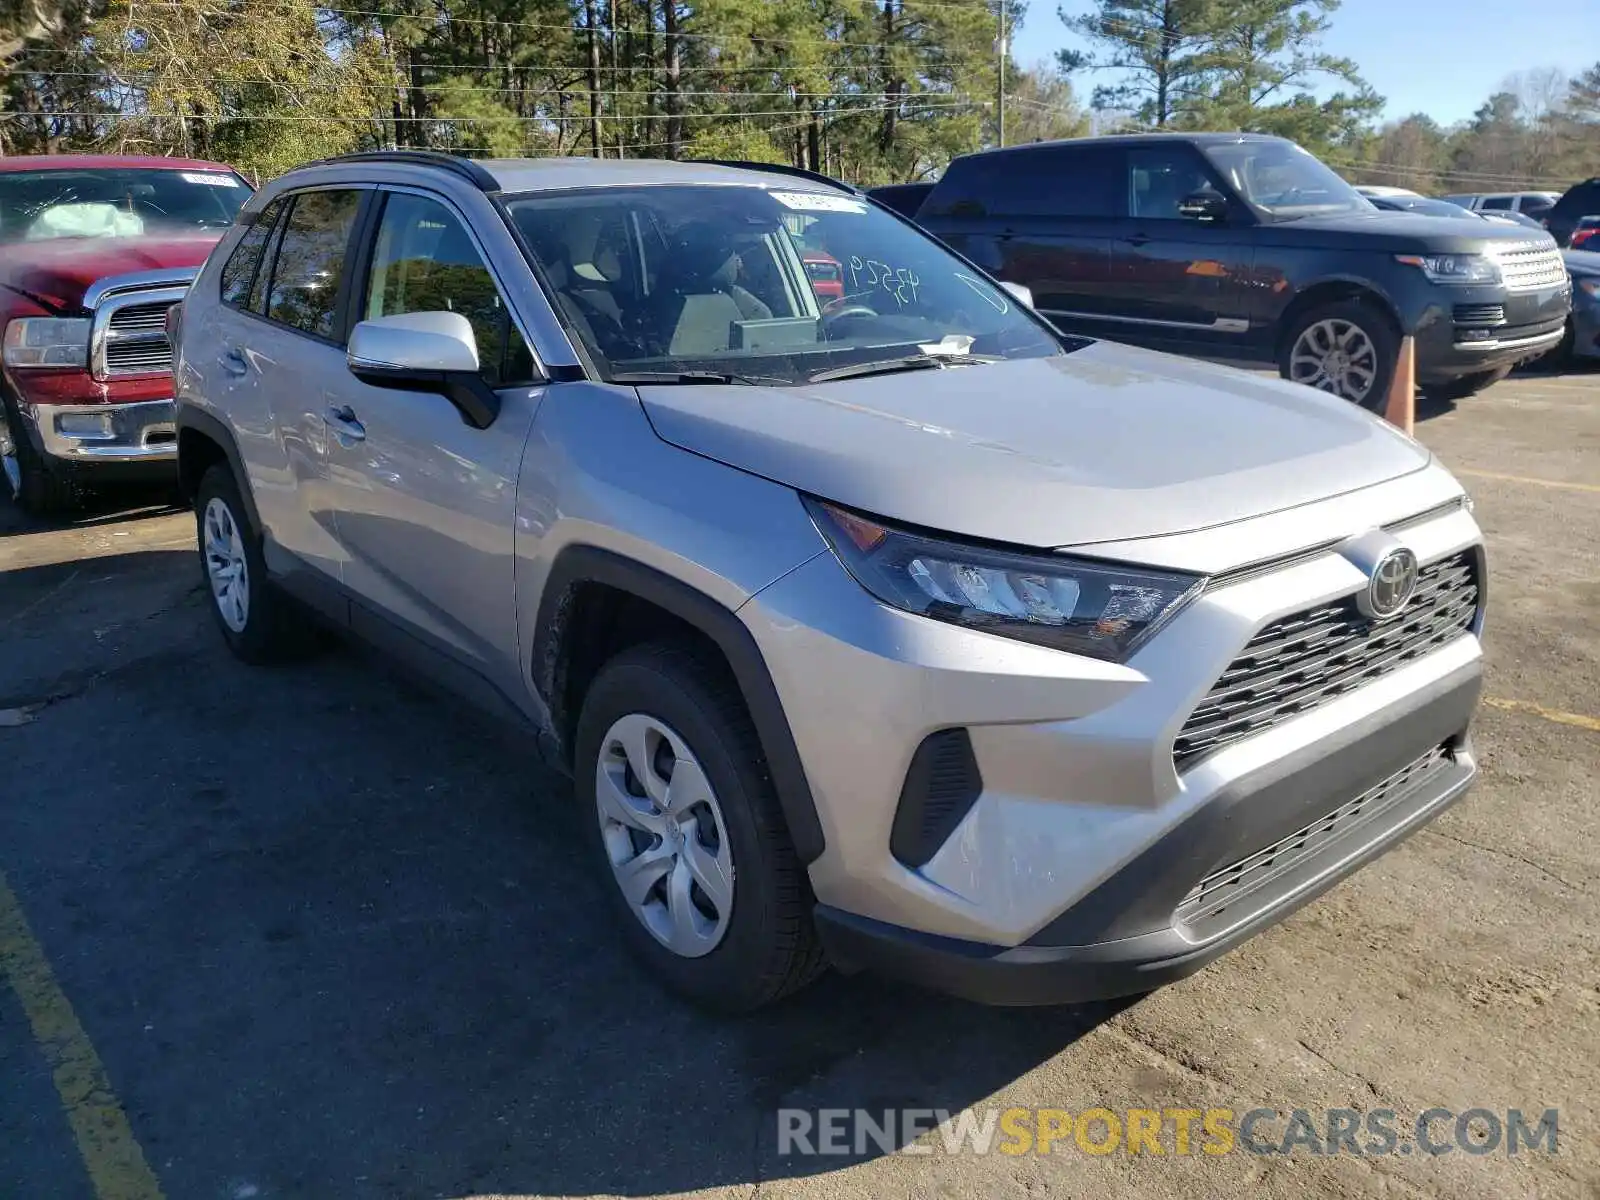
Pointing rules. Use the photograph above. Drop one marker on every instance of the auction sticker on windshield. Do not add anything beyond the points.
(227, 181)
(818, 202)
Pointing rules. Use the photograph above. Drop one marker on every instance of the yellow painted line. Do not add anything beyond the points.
(1549, 483)
(116, 1164)
(1592, 724)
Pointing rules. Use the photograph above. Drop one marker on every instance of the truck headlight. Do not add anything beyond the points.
(1454, 268)
(1099, 609)
(33, 342)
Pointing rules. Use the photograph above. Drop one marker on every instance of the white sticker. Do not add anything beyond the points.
(818, 202)
(208, 180)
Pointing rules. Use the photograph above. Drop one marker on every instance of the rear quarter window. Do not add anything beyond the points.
(1056, 181)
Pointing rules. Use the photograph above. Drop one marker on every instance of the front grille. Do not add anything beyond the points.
(1210, 898)
(1531, 266)
(140, 317)
(1301, 662)
(1479, 314)
(130, 331)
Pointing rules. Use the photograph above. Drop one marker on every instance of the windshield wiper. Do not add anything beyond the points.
(886, 366)
(692, 377)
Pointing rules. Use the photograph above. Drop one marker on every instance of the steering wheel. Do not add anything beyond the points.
(849, 310)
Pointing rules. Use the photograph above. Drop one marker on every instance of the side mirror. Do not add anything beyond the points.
(1204, 206)
(1022, 295)
(425, 352)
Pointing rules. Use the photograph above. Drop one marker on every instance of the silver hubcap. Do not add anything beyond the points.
(226, 566)
(8, 456)
(1335, 356)
(664, 835)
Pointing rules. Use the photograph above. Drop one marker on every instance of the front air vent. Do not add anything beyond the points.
(941, 786)
(1479, 314)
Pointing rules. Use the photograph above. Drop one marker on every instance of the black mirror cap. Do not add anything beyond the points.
(1203, 206)
(475, 400)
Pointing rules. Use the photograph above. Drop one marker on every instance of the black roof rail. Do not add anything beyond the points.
(781, 169)
(464, 167)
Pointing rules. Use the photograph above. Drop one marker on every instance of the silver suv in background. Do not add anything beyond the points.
(888, 629)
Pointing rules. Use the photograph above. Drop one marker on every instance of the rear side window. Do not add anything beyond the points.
(310, 260)
(1062, 181)
(239, 272)
(1497, 203)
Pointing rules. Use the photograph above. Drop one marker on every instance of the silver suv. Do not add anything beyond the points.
(877, 623)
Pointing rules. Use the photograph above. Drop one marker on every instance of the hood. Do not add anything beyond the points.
(1404, 232)
(59, 270)
(1104, 444)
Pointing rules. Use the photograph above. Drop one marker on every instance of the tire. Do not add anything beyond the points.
(760, 945)
(36, 486)
(260, 624)
(1372, 365)
(1466, 385)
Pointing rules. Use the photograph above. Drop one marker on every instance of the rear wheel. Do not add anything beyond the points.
(1466, 385)
(258, 622)
(1346, 348)
(685, 828)
(36, 488)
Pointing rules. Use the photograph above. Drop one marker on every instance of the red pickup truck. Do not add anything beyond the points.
(93, 252)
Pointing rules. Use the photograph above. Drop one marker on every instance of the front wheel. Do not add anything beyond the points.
(1466, 385)
(35, 487)
(686, 831)
(1346, 348)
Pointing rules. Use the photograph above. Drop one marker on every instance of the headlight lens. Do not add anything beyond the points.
(47, 342)
(1454, 268)
(1099, 609)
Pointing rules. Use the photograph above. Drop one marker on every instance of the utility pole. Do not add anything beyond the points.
(1000, 74)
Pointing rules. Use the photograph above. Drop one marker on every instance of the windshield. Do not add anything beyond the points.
(39, 205)
(761, 286)
(1281, 181)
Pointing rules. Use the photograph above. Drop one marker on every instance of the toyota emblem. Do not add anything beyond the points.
(1394, 578)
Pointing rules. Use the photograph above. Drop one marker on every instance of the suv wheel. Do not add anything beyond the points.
(685, 826)
(37, 488)
(1348, 349)
(258, 622)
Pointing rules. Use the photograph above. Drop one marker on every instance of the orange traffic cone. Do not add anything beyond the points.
(1400, 407)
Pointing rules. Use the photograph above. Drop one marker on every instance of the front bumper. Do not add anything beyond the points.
(1485, 329)
(134, 434)
(1081, 839)
(1263, 847)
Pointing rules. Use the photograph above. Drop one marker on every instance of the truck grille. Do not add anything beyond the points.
(130, 335)
(1531, 266)
(1301, 662)
(1214, 894)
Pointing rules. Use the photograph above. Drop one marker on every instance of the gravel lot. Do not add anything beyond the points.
(326, 935)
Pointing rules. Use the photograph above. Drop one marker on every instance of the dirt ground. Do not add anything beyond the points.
(315, 932)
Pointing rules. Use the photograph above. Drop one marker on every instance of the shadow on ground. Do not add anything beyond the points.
(333, 935)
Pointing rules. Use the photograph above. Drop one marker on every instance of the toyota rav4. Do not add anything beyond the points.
(900, 632)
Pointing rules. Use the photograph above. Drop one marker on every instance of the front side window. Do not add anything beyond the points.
(425, 261)
(1281, 181)
(310, 261)
(1498, 203)
(764, 286)
(1161, 176)
(117, 202)
(239, 272)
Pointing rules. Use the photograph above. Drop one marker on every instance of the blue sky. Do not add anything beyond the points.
(1441, 57)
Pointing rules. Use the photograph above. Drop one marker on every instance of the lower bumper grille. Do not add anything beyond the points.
(1211, 898)
(1301, 662)
(1479, 314)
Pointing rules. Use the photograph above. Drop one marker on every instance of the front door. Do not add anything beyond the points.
(1177, 278)
(424, 502)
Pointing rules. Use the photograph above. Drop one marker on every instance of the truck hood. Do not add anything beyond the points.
(56, 272)
(1401, 232)
(1104, 444)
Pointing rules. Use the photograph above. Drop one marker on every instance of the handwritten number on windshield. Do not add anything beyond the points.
(900, 283)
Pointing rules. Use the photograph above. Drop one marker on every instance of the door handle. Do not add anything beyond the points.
(235, 363)
(346, 428)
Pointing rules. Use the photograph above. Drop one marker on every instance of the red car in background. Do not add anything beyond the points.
(826, 275)
(1587, 235)
(94, 251)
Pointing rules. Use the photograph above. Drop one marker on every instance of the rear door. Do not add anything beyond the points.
(425, 502)
(1176, 278)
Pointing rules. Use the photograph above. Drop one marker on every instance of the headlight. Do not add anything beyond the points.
(1099, 609)
(47, 342)
(1454, 268)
